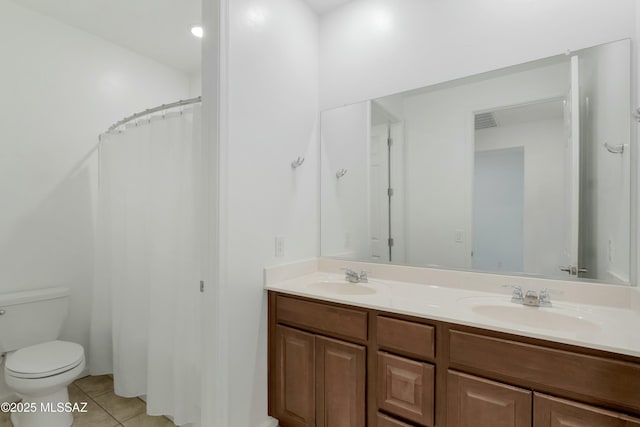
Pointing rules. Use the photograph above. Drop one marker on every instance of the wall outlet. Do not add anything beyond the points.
(459, 236)
(279, 247)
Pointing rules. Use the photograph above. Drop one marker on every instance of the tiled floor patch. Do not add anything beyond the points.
(104, 408)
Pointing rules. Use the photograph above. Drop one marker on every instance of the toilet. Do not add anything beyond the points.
(38, 367)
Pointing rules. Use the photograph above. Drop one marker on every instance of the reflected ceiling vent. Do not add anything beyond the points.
(485, 120)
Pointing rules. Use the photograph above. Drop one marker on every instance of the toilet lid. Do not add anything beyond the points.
(44, 360)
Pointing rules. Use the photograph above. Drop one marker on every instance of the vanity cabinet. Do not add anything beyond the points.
(317, 380)
(334, 365)
(320, 381)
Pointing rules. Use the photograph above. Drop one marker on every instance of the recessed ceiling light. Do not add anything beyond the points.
(197, 31)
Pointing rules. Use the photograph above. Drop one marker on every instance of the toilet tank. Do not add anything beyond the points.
(32, 317)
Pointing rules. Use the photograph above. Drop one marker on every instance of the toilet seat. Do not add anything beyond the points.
(44, 360)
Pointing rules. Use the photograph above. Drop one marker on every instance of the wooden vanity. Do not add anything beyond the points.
(334, 365)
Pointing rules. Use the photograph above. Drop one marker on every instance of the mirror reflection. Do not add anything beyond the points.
(524, 170)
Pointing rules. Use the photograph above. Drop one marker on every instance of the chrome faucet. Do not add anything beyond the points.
(353, 277)
(530, 298)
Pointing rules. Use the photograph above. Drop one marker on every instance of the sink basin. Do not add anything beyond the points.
(549, 318)
(341, 288)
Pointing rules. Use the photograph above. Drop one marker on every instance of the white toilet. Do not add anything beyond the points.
(37, 367)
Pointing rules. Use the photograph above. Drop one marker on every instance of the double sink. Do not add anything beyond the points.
(497, 307)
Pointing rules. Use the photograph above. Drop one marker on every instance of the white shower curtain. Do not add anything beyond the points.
(146, 312)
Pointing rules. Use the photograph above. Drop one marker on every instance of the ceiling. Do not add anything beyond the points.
(324, 6)
(158, 29)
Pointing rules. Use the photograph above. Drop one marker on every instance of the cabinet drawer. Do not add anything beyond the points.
(385, 421)
(406, 388)
(607, 380)
(409, 337)
(323, 318)
(551, 411)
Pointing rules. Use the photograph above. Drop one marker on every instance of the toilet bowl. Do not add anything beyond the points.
(40, 374)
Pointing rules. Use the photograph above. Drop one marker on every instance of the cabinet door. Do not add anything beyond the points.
(295, 372)
(476, 402)
(553, 412)
(340, 383)
(406, 388)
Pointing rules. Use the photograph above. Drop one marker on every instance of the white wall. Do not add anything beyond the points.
(635, 174)
(544, 145)
(373, 48)
(345, 201)
(269, 118)
(195, 84)
(60, 88)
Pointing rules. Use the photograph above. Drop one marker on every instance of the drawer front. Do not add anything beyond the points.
(551, 411)
(323, 318)
(385, 421)
(604, 379)
(409, 337)
(406, 388)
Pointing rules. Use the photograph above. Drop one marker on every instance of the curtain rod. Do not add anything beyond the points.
(154, 110)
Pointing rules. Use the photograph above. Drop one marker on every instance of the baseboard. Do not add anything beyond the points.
(270, 422)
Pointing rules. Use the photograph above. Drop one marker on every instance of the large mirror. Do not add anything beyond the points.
(524, 170)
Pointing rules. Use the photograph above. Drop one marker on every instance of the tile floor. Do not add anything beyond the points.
(104, 408)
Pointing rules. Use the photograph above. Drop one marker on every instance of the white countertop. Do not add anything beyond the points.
(602, 327)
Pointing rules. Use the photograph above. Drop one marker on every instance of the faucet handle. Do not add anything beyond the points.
(351, 275)
(363, 276)
(545, 296)
(518, 295)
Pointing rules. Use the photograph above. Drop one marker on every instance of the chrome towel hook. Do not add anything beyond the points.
(297, 163)
(615, 149)
(341, 173)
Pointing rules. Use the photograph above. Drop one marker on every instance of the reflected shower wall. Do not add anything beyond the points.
(605, 77)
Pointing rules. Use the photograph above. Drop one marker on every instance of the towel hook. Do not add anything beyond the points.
(297, 163)
(615, 149)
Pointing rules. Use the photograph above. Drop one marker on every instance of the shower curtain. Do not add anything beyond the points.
(146, 320)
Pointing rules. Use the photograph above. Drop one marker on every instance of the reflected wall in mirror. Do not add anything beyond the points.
(524, 170)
